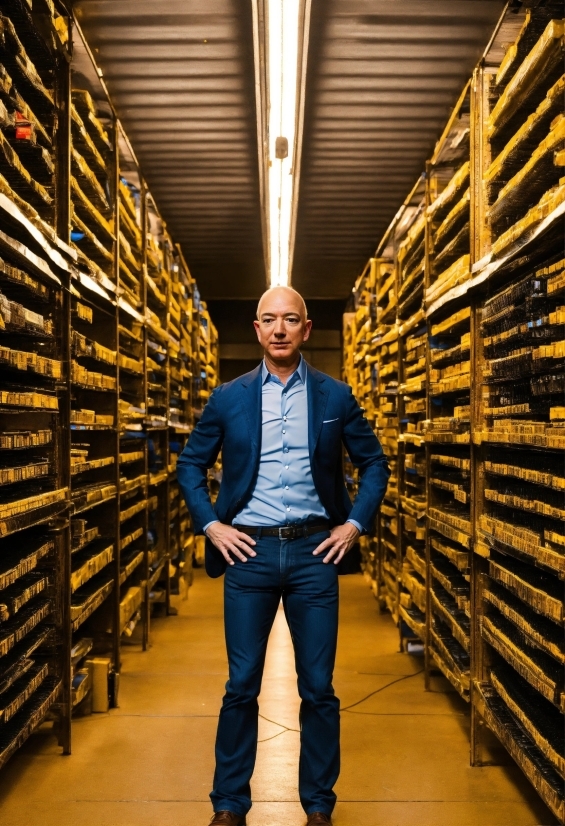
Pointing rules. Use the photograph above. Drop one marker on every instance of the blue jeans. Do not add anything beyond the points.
(252, 593)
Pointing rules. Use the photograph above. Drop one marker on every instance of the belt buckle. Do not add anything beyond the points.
(286, 532)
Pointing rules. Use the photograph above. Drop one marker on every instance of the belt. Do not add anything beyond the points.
(286, 531)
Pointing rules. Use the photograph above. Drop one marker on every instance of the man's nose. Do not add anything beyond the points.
(279, 327)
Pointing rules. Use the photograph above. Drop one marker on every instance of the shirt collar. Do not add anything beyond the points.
(300, 371)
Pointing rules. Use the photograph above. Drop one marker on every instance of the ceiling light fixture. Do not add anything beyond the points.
(283, 34)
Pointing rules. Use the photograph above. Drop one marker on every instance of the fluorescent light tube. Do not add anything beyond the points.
(283, 31)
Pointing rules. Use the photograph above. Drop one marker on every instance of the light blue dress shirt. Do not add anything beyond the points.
(284, 493)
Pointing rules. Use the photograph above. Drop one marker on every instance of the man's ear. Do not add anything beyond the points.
(257, 330)
(307, 329)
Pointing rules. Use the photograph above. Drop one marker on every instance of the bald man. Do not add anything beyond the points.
(282, 522)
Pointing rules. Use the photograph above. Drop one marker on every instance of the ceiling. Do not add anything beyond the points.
(181, 76)
(382, 78)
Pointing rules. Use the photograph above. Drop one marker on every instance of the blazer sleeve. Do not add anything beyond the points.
(200, 454)
(366, 453)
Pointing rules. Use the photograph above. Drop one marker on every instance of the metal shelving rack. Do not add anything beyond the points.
(132, 609)
(518, 565)
(95, 381)
(359, 373)
(385, 395)
(90, 281)
(494, 307)
(163, 338)
(410, 256)
(34, 401)
(448, 438)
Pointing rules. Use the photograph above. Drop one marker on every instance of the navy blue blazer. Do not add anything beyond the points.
(231, 422)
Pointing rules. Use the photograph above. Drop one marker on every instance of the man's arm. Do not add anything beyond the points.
(198, 456)
(367, 455)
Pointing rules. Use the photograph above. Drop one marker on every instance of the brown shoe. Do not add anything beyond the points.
(225, 818)
(319, 819)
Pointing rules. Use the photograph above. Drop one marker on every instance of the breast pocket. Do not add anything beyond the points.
(329, 442)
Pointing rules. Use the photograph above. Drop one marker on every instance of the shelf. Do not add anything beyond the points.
(88, 567)
(13, 598)
(25, 513)
(452, 660)
(156, 575)
(456, 274)
(93, 464)
(539, 632)
(80, 687)
(538, 65)
(441, 204)
(538, 121)
(133, 510)
(544, 726)
(453, 583)
(81, 536)
(527, 543)
(13, 631)
(531, 586)
(458, 623)
(512, 194)
(89, 497)
(534, 666)
(12, 569)
(87, 599)
(130, 604)
(451, 526)
(521, 747)
(415, 620)
(22, 725)
(131, 565)
(22, 689)
(129, 486)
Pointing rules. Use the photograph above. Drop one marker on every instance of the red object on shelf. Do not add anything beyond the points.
(24, 133)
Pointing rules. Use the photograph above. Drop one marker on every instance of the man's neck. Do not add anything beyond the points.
(282, 370)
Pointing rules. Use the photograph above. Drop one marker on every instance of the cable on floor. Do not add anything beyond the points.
(382, 688)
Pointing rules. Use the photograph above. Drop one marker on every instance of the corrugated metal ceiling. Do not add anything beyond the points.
(382, 79)
(382, 76)
(181, 75)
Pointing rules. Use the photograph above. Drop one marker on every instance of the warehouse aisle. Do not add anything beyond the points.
(149, 763)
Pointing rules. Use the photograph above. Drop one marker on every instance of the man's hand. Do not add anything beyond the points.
(342, 539)
(229, 540)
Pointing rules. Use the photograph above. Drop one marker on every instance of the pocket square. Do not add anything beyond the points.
(329, 421)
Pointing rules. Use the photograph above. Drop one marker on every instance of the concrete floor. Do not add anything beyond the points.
(150, 762)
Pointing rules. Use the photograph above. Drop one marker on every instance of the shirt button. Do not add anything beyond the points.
(285, 450)
(284, 419)
(286, 467)
(284, 431)
(288, 509)
(286, 487)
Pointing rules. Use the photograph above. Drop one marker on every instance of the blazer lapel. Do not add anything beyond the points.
(252, 405)
(317, 401)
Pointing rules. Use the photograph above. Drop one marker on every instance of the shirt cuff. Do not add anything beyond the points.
(359, 527)
(213, 522)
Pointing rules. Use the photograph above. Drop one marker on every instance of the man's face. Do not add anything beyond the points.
(281, 328)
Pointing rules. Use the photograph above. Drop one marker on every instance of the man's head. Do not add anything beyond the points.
(282, 324)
